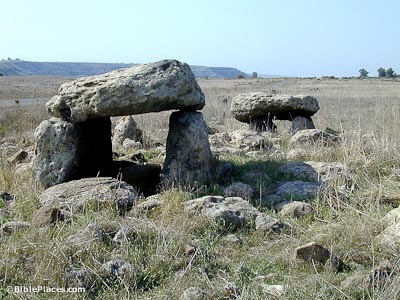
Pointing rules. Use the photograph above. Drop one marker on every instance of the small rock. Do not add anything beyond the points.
(274, 290)
(298, 190)
(392, 217)
(47, 215)
(295, 209)
(151, 203)
(219, 139)
(231, 212)
(239, 189)
(316, 253)
(231, 291)
(129, 144)
(272, 201)
(301, 123)
(7, 198)
(232, 239)
(13, 227)
(390, 237)
(268, 224)
(84, 237)
(314, 136)
(118, 267)
(297, 154)
(193, 293)
(189, 249)
(23, 168)
(8, 149)
(80, 278)
(250, 140)
(126, 128)
(18, 157)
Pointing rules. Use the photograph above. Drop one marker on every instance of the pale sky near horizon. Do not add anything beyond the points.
(286, 37)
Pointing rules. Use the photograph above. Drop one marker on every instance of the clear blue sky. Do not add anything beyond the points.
(285, 37)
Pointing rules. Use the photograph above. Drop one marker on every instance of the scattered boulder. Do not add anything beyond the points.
(268, 224)
(76, 194)
(189, 159)
(239, 189)
(276, 291)
(314, 136)
(295, 209)
(126, 128)
(314, 171)
(298, 190)
(193, 293)
(47, 216)
(272, 201)
(297, 154)
(231, 239)
(153, 87)
(250, 140)
(13, 227)
(8, 149)
(392, 217)
(82, 238)
(219, 139)
(231, 212)
(151, 203)
(260, 109)
(316, 253)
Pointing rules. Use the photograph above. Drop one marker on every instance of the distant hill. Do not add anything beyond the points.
(72, 69)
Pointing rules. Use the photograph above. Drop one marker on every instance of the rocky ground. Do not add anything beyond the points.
(312, 215)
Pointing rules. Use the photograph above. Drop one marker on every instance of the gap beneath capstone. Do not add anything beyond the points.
(94, 158)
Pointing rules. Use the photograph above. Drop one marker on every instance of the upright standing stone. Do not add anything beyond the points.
(126, 128)
(189, 158)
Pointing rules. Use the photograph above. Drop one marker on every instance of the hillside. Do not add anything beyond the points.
(74, 69)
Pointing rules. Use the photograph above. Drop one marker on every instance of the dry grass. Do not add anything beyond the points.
(365, 110)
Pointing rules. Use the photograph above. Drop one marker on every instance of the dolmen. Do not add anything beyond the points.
(75, 142)
(260, 109)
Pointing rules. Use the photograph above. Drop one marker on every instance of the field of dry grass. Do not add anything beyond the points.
(366, 112)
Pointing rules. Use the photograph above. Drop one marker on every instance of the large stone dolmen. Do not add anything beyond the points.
(260, 109)
(76, 143)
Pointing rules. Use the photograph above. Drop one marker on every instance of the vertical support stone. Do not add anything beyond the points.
(301, 123)
(189, 160)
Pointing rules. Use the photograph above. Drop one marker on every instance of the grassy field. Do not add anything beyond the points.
(365, 111)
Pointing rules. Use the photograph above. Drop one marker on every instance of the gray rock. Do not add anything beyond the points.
(130, 230)
(47, 216)
(314, 171)
(118, 267)
(390, 237)
(231, 212)
(221, 139)
(193, 293)
(7, 198)
(314, 136)
(151, 203)
(189, 160)
(24, 168)
(76, 194)
(315, 253)
(66, 151)
(84, 278)
(271, 201)
(250, 140)
(298, 154)
(295, 209)
(82, 238)
(298, 190)
(251, 106)
(12, 227)
(154, 87)
(301, 123)
(8, 149)
(392, 217)
(231, 239)
(268, 224)
(126, 128)
(239, 189)
(55, 152)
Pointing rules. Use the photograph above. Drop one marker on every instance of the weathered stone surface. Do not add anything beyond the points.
(74, 195)
(298, 190)
(301, 123)
(118, 267)
(18, 157)
(8, 149)
(298, 154)
(246, 107)
(232, 212)
(390, 237)
(84, 237)
(239, 189)
(268, 224)
(295, 209)
(153, 87)
(221, 139)
(250, 140)
(66, 151)
(55, 152)
(126, 128)
(84, 278)
(314, 136)
(314, 171)
(12, 227)
(151, 203)
(47, 216)
(315, 253)
(189, 159)
(272, 201)
(392, 217)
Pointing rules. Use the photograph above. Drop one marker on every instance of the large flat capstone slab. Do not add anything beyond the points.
(258, 105)
(153, 87)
